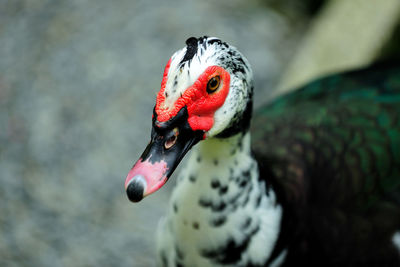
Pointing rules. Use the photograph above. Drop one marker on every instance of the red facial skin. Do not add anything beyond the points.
(200, 104)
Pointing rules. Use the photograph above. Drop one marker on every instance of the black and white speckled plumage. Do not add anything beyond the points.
(220, 213)
(220, 216)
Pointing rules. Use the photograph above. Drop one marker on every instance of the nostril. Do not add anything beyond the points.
(135, 189)
(172, 140)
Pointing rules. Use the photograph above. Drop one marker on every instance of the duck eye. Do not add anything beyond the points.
(213, 84)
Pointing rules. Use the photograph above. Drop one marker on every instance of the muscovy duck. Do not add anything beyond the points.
(314, 181)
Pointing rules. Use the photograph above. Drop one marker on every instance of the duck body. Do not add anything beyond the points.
(314, 181)
(331, 150)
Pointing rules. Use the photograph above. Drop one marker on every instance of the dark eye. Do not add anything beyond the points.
(213, 84)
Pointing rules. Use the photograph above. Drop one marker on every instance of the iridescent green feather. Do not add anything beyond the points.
(333, 147)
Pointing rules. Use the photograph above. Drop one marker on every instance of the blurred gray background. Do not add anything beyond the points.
(78, 81)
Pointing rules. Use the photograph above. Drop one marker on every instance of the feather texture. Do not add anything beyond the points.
(331, 150)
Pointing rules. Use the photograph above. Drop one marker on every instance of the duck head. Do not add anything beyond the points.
(206, 92)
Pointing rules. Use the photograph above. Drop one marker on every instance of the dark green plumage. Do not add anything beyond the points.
(332, 151)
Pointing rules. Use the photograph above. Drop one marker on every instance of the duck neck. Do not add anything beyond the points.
(223, 150)
(220, 197)
(220, 166)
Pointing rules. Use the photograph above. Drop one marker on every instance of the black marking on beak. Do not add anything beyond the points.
(163, 131)
(161, 156)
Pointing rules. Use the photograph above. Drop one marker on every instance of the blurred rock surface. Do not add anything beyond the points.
(78, 80)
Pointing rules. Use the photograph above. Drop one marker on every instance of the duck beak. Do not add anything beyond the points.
(170, 141)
